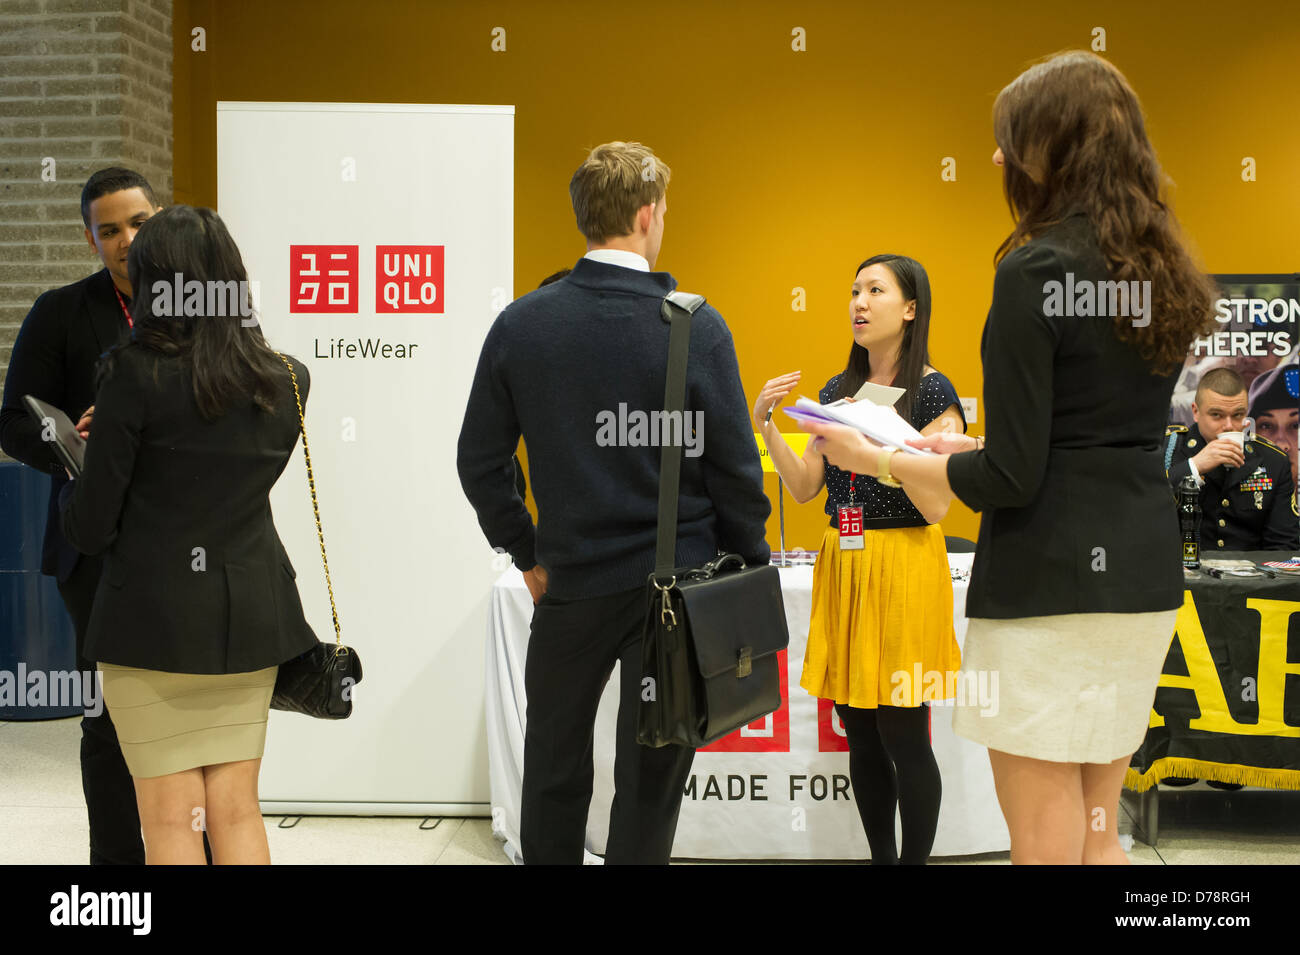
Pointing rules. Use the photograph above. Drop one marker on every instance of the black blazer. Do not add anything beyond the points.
(195, 578)
(1077, 514)
(54, 359)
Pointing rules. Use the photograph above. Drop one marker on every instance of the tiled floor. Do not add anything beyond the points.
(43, 821)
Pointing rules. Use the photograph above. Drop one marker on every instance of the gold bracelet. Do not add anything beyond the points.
(882, 468)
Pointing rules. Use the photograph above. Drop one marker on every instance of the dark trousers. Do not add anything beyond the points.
(110, 793)
(571, 653)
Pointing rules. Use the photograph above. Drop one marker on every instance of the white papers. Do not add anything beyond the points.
(885, 395)
(881, 423)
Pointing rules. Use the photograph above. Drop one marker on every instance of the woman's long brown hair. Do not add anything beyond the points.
(230, 364)
(1074, 140)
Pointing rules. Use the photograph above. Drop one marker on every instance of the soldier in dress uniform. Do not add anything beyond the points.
(1247, 500)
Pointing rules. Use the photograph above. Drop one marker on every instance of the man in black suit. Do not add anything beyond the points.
(1245, 490)
(54, 359)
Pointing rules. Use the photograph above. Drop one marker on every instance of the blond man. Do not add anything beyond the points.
(568, 366)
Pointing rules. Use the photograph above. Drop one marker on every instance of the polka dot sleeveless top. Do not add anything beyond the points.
(887, 506)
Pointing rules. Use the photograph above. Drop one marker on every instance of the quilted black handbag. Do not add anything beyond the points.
(319, 682)
(709, 649)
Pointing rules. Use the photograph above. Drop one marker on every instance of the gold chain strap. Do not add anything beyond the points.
(311, 482)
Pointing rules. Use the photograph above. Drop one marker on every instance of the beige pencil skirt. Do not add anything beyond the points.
(170, 722)
(1068, 688)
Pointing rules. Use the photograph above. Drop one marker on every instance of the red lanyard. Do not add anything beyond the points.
(129, 323)
(852, 490)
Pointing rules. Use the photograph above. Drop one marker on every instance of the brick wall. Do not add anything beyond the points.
(87, 84)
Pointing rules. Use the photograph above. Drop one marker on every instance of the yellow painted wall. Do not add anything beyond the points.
(789, 168)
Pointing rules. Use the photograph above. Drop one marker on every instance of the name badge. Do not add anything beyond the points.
(851, 528)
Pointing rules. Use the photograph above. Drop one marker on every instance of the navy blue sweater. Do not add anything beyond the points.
(571, 367)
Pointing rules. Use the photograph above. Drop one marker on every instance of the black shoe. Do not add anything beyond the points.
(1226, 787)
(1177, 781)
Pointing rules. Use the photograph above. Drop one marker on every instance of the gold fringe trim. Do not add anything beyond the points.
(1219, 772)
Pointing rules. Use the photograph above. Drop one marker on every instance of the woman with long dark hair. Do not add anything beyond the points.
(882, 593)
(1077, 577)
(197, 606)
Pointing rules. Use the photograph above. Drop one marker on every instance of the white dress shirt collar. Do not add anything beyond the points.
(619, 257)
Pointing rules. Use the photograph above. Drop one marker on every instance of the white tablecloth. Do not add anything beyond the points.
(796, 758)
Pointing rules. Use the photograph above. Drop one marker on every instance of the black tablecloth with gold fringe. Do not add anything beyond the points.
(1228, 704)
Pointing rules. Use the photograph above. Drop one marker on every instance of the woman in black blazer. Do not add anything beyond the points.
(194, 420)
(1077, 575)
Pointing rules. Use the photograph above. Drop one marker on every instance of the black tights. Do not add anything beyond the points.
(892, 767)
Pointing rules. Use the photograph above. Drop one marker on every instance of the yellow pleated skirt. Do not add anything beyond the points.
(881, 632)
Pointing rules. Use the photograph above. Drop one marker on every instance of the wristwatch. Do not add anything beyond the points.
(882, 467)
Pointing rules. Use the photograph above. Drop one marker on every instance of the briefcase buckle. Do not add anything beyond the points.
(666, 615)
(665, 606)
(744, 664)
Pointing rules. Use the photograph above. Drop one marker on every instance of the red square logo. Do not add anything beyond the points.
(768, 734)
(831, 737)
(323, 279)
(408, 279)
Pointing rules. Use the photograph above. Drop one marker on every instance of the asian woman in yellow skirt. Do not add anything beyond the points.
(881, 642)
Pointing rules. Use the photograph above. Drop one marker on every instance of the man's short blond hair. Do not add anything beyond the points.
(614, 182)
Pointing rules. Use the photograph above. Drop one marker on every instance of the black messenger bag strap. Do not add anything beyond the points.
(677, 309)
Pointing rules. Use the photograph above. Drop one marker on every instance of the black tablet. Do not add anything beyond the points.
(68, 443)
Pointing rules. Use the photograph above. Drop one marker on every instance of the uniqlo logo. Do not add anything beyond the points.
(767, 734)
(323, 279)
(408, 278)
(850, 521)
(831, 737)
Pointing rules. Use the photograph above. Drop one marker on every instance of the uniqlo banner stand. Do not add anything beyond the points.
(381, 237)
